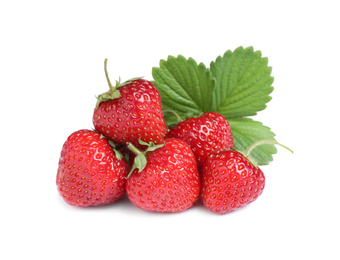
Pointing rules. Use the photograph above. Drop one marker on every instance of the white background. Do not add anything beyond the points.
(51, 68)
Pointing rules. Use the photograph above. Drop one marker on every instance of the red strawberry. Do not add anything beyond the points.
(204, 134)
(89, 172)
(169, 182)
(231, 180)
(130, 111)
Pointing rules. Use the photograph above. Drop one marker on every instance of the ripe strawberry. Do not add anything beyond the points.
(169, 182)
(89, 172)
(130, 111)
(230, 179)
(204, 134)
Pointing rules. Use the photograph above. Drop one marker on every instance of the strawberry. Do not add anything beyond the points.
(204, 134)
(168, 182)
(130, 111)
(230, 179)
(89, 172)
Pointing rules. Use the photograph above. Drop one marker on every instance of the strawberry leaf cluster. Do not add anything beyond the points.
(237, 85)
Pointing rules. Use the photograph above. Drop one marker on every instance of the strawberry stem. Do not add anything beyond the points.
(261, 142)
(107, 76)
(179, 119)
(133, 149)
(113, 92)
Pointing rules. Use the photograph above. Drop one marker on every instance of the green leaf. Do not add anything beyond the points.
(243, 82)
(246, 132)
(237, 85)
(185, 87)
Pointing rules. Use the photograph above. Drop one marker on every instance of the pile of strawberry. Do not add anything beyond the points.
(131, 151)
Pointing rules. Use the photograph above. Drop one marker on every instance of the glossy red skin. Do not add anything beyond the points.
(170, 182)
(230, 181)
(204, 134)
(137, 114)
(89, 174)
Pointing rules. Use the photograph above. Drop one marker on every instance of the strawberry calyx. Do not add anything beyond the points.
(140, 159)
(113, 92)
(118, 154)
(258, 143)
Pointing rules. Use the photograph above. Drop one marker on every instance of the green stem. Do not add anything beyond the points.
(133, 148)
(107, 76)
(179, 119)
(261, 142)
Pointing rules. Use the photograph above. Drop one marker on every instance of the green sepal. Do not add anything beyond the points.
(151, 146)
(138, 163)
(118, 154)
(140, 160)
(107, 96)
(113, 92)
